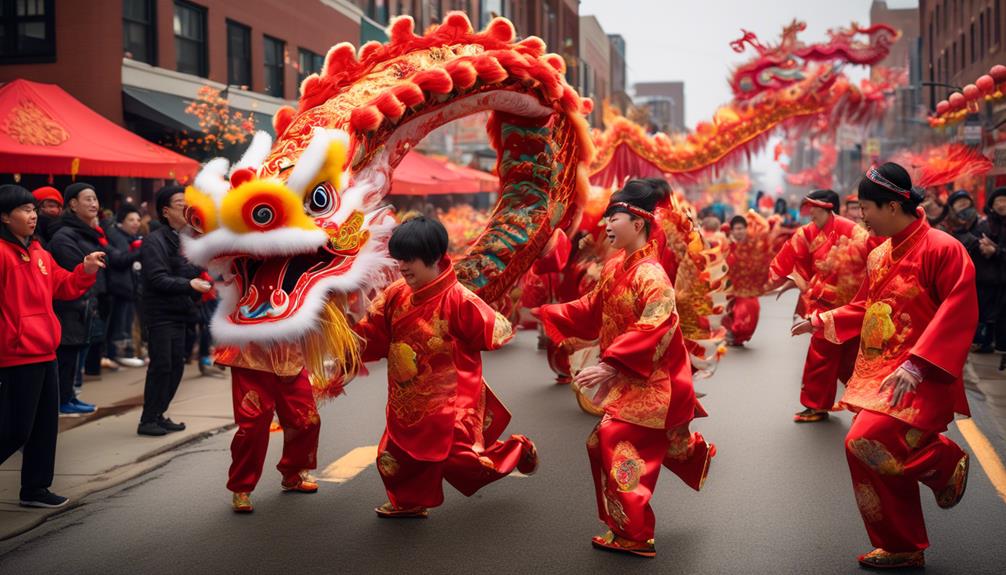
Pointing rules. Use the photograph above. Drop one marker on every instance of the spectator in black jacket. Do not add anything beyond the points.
(991, 277)
(50, 207)
(75, 235)
(171, 288)
(123, 271)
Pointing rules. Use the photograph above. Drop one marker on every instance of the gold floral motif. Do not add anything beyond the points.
(251, 404)
(387, 464)
(615, 510)
(868, 502)
(402, 363)
(875, 456)
(626, 467)
(502, 330)
(28, 124)
(913, 437)
(679, 440)
(878, 329)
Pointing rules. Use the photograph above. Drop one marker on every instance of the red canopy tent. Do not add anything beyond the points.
(419, 175)
(44, 130)
(487, 182)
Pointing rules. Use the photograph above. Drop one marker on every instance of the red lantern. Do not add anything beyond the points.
(971, 92)
(998, 73)
(986, 84)
(957, 101)
(942, 108)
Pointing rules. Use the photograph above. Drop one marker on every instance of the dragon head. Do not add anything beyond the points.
(302, 219)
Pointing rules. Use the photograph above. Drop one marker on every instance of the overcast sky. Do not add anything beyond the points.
(690, 40)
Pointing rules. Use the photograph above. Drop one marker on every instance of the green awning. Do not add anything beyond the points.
(169, 110)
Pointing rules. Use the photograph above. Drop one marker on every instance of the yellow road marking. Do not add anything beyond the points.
(986, 454)
(350, 465)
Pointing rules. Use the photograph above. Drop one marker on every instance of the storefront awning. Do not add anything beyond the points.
(168, 110)
(45, 130)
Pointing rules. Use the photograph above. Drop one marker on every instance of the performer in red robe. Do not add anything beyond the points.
(443, 421)
(549, 278)
(748, 253)
(643, 380)
(826, 259)
(915, 316)
(267, 381)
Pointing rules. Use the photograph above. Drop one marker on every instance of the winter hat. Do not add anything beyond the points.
(124, 211)
(163, 199)
(74, 190)
(48, 193)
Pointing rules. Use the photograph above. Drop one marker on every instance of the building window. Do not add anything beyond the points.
(964, 53)
(274, 66)
(308, 63)
(937, 17)
(997, 26)
(953, 54)
(974, 51)
(377, 10)
(490, 8)
(190, 39)
(27, 31)
(982, 48)
(138, 30)
(239, 66)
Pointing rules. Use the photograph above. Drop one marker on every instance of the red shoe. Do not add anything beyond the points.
(241, 502)
(611, 542)
(528, 463)
(952, 494)
(880, 559)
(301, 483)
(389, 511)
(810, 415)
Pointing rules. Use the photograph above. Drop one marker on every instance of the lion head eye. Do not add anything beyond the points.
(321, 200)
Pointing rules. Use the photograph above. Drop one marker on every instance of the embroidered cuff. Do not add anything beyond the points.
(829, 332)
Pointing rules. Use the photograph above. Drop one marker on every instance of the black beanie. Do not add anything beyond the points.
(73, 190)
(13, 196)
(163, 199)
(124, 211)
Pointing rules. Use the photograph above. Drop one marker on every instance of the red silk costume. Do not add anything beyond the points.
(651, 402)
(443, 421)
(919, 305)
(264, 381)
(748, 262)
(552, 279)
(828, 265)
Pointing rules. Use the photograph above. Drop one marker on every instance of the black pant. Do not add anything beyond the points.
(68, 358)
(29, 420)
(166, 343)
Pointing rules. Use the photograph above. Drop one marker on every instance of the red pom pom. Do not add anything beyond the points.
(437, 81)
(998, 73)
(556, 62)
(390, 106)
(366, 119)
(283, 117)
(971, 92)
(341, 57)
(462, 73)
(241, 176)
(943, 107)
(402, 30)
(490, 70)
(957, 101)
(500, 29)
(532, 46)
(369, 49)
(409, 94)
(458, 23)
(986, 84)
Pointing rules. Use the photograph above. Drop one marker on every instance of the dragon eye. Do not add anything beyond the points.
(263, 214)
(195, 218)
(320, 200)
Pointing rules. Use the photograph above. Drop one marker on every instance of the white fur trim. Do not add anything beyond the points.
(281, 242)
(256, 153)
(212, 179)
(311, 160)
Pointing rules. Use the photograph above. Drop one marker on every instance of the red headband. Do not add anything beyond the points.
(874, 176)
(819, 203)
(639, 212)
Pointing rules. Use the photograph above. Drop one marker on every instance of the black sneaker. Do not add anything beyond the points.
(43, 498)
(170, 426)
(151, 428)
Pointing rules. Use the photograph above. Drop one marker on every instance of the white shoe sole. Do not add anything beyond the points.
(40, 505)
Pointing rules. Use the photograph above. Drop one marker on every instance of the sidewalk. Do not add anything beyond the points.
(99, 451)
(988, 405)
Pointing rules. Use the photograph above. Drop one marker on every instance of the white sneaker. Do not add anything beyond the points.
(130, 361)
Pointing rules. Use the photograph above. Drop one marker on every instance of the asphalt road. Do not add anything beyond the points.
(778, 499)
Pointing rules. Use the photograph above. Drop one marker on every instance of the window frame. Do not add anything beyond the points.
(9, 21)
(248, 67)
(317, 62)
(266, 40)
(151, 29)
(204, 60)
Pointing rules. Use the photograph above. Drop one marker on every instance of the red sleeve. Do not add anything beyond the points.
(793, 258)
(579, 318)
(69, 285)
(945, 342)
(635, 351)
(844, 323)
(478, 325)
(375, 328)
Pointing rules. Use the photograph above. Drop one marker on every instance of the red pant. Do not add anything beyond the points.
(826, 364)
(625, 460)
(888, 458)
(257, 394)
(742, 319)
(558, 360)
(413, 483)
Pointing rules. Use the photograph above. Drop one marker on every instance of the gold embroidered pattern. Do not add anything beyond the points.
(875, 456)
(402, 363)
(626, 467)
(387, 464)
(502, 330)
(828, 327)
(251, 404)
(913, 437)
(878, 329)
(679, 440)
(615, 510)
(868, 502)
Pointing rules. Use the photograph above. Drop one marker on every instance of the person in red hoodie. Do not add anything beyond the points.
(29, 335)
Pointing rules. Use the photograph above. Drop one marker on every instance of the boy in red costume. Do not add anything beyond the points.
(443, 421)
(915, 317)
(747, 258)
(644, 378)
(826, 259)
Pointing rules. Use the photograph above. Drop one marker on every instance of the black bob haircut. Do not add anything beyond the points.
(644, 194)
(420, 238)
(869, 190)
(827, 196)
(738, 221)
(13, 196)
